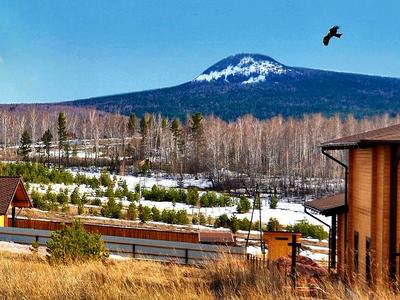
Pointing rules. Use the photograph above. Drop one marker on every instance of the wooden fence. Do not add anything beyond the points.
(168, 251)
(129, 232)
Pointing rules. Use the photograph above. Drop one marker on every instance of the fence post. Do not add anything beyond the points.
(186, 256)
(133, 250)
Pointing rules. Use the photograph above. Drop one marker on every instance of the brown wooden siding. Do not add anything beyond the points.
(360, 199)
(369, 209)
(189, 237)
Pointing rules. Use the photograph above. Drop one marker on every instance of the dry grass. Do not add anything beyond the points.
(31, 277)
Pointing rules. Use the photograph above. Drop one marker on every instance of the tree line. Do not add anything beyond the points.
(247, 147)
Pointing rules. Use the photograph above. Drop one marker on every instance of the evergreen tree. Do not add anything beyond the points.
(46, 140)
(197, 135)
(111, 209)
(132, 212)
(144, 213)
(182, 217)
(62, 134)
(273, 203)
(234, 224)
(155, 212)
(144, 133)
(75, 197)
(132, 124)
(25, 147)
(244, 205)
(273, 225)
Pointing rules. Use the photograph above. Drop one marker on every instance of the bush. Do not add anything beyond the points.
(111, 209)
(96, 201)
(234, 224)
(195, 220)
(244, 205)
(182, 217)
(273, 203)
(75, 197)
(273, 225)
(73, 243)
(156, 214)
(105, 179)
(144, 213)
(309, 230)
(132, 212)
(192, 196)
(222, 221)
(202, 219)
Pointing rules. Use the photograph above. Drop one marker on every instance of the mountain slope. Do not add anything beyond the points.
(259, 85)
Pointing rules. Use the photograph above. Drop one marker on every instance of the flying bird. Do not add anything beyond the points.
(332, 32)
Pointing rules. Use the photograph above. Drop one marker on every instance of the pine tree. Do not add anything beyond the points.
(144, 214)
(143, 132)
(132, 212)
(62, 134)
(176, 134)
(197, 136)
(132, 124)
(25, 147)
(46, 140)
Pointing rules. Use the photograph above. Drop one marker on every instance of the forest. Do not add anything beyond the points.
(225, 152)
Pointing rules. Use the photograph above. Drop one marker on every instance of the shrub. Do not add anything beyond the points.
(144, 213)
(132, 212)
(309, 230)
(192, 196)
(133, 197)
(244, 224)
(273, 202)
(182, 217)
(75, 197)
(244, 205)
(73, 243)
(105, 179)
(234, 224)
(156, 214)
(111, 209)
(273, 225)
(222, 221)
(202, 219)
(96, 201)
(195, 220)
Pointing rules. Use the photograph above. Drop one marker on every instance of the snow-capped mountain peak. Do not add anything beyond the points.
(243, 68)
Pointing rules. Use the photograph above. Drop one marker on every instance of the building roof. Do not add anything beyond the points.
(216, 237)
(387, 135)
(12, 187)
(328, 205)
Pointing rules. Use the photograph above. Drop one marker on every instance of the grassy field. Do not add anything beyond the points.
(31, 277)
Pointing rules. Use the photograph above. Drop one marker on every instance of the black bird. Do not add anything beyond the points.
(332, 32)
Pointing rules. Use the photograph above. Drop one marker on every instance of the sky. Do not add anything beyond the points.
(65, 50)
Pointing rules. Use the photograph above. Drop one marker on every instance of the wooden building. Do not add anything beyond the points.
(367, 226)
(278, 242)
(12, 195)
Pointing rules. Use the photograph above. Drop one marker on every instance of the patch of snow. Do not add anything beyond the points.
(314, 256)
(246, 67)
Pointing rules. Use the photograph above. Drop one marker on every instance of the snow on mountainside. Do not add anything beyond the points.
(243, 68)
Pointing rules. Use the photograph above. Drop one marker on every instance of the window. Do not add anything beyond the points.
(356, 240)
(368, 260)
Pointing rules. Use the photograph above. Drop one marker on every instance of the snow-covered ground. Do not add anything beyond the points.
(287, 213)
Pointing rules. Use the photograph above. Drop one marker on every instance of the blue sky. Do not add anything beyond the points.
(64, 50)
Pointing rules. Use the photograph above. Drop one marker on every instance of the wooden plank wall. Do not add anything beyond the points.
(189, 237)
(369, 209)
(360, 198)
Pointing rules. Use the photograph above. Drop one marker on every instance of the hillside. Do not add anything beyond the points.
(259, 85)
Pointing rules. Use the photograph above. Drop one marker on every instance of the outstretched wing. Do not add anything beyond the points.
(326, 39)
(334, 30)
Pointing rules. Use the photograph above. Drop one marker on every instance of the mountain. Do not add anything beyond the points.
(259, 85)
